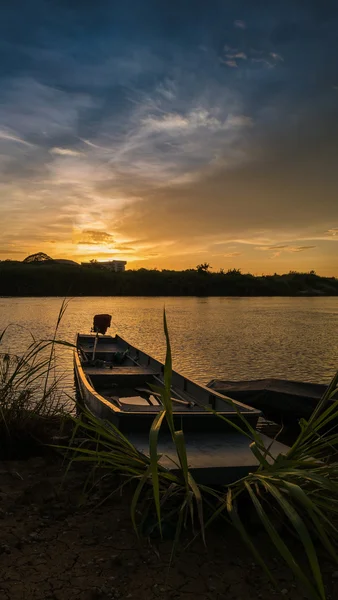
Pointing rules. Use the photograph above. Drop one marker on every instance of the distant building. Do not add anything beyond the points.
(110, 265)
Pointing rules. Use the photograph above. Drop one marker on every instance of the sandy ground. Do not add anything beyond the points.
(53, 549)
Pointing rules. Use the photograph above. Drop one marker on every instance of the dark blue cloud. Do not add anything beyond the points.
(282, 59)
(102, 48)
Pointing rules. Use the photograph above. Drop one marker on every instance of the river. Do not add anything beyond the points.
(228, 338)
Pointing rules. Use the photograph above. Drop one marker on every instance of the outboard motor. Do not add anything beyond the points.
(101, 323)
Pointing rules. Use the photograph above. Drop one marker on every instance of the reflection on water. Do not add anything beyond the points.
(229, 338)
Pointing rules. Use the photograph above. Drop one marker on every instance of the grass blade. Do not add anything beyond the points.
(136, 497)
(233, 514)
(281, 546)
(153, 438)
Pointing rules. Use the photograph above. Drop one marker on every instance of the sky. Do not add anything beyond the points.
(168, 134)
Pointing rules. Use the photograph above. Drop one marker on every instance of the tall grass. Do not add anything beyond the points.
(31, 402)
(295, 493)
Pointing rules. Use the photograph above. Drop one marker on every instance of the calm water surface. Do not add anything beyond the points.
(229, 338)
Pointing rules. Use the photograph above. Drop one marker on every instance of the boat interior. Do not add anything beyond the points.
(117, 376)
(125, 377)
(120, 387)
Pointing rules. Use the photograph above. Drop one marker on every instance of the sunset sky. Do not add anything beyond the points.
(171, 133)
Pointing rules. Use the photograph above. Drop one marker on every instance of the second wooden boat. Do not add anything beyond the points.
(282, 401)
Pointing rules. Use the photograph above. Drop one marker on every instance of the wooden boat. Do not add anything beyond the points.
(282, 401)
(115, 386)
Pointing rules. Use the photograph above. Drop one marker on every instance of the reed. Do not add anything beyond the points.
(31, 403)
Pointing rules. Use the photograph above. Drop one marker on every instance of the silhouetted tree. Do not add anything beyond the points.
(203, 268)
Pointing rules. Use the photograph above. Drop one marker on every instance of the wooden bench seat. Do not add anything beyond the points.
(119, 370)
(107, 348)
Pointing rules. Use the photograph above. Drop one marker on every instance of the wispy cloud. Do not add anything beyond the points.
(12, 137)
(249, 58)
(279, 249)
(231, 63)
(89, 143)
(95, 237)
(276, 56)
(267, 248)
(36, 109)
(285, 247)
(234, 55)
(300, 248)
(167, 89)
(192, 121)
(124, 248)
(166, 123)
(262, 61)
(65, 152)
(239, 121)
(240, 24)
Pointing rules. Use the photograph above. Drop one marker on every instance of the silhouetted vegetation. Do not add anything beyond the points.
(48, 278)
(203, 268)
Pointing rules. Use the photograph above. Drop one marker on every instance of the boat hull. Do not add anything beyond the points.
(201, 419)
(217, 453)
(282, 401)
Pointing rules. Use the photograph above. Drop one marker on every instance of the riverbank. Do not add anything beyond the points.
(54, 279)
(56, 545)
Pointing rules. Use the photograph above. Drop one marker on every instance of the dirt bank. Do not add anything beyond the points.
(51, 548)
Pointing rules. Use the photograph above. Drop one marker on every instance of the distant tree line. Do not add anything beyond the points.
(48, 278)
